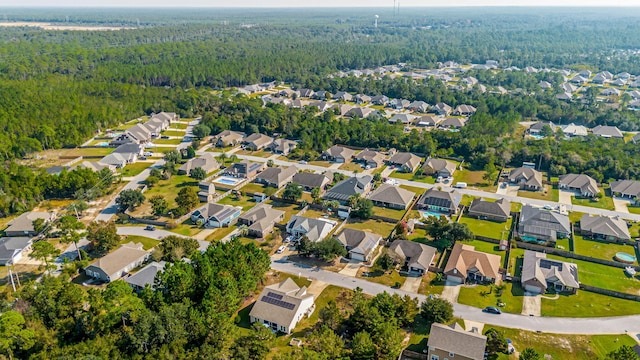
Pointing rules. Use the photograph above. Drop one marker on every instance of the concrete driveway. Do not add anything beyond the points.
(351, 269)
(565, 196)
(621, 204)
(451, 291)
(411, 284)
(531, 304)
(509, 190)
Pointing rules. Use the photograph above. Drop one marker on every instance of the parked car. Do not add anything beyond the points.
(150, 228)
(164, 137)
(302, 162)
(281, 249)
(148, 153)
(492, 310)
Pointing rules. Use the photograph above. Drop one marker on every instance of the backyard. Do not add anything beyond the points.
(481, 296)
(486, 228)
(245, 202)
(474, 178)
(147, 243)
(135, 168)
(289, 209)
(388, 213)
(486, 247)
(375, 226)
(599, 249)
(588, 304)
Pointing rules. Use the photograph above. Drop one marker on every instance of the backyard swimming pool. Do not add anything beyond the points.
(427, 213)
(623, 257)
(228, 180)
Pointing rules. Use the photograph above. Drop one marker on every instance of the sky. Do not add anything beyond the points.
(309, 3)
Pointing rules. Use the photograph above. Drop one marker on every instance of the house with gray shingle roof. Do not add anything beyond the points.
(452, 123)
(146, 276)
(23, 224)
(428, 120)
(281, 306)
(405, 162)
(441, 201)
(464, 110)
(626, 188)
(257, 141)
(604, 228)
(361, 99)
(342, 96)
(362, 112)
(216, 215)
(12, 248)
(499, 210)
(448, 341)
(360, 245)
(418, 106)
(308, 180)
(402, 118)
(261, 219)
(540, 274)
(276, 177)
(346, 188)
(543, 226)
(417, 257)
(528, 178)
(283, 146)
(585, 185)
(206, 162)
(228, 138)
(442, 109)
(392, 197)
(439, 167)
(314, 229)
(607, 132)
(380, 100)
(370, 158)
(116, 264)
(338, 154)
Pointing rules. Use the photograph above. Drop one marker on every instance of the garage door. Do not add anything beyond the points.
(532, 289)
(357, 257)
(454, 279)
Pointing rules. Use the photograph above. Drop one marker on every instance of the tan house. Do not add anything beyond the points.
(370, 159)
(338, 154)
(228, 138)
(276, 177)
(439, 167)
(281, 306)
(206, 162)
(257, 141)
(417, 257)
(283, 146)
(405, 162)
(467, 264)
(261, 219)
(540, 274)
(454, 343)
(393, 197)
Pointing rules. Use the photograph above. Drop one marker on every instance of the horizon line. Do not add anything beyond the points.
(618, 6)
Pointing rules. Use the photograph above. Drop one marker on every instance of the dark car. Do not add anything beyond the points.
(492, 310)
(150, 228)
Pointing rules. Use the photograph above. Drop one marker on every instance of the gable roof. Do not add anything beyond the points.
(315, 229)
(628, 187)
(279, 303)
(464, 109)
(339, 151)
(440, 164)
(531, 176)
(115, 261)
(10, 246)
(390, 194)
(228, 136)
(537, 267)
(358, 241)
(206, 162)
(453, 122)
(575, 130)
(277, 175)
(24, 222)
(348, 187)
(579, 181)
(360, 111)
(607, 131)
(259, 140)
(464, 257)
(500, 207)
(402, 118)
(428, 120)
(416, 254)
(604, 225)
(283, 144)
(541, 221)
(217, 211)
(146, 275)
(444, 199)
(455, 340)
(311, 180)
(261, 216)
(406, 159)
(370, 156)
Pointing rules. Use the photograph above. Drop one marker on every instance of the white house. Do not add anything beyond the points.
(281, 306)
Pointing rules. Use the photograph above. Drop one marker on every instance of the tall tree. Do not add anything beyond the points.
(103, 236)
(436, 310)
(187, 198)
(129, 199)
(496, 343)
(292, 192)
(45, 251)
(69, 226)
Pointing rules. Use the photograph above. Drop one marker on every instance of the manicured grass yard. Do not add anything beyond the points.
(173, 133)
(605, 202)
(550, 194)
(102, 151)
(563, 346)
(289, 209)
(389, 213)
(486, 247)
(253, 188)
(322, 163)
(351, 167)
(634, 230)
(418, 191)
(473, 178)
(220, 233)
(170, 188)
(245, 202)
(430, 286)
(135, 168)
(410, 176)
(147, 243)
(488, 228)
(599, 249)
(259, 153)
(481, 296)
(377, 275)
(634, 209)
(314, 214)
(178, 125)
(377, 227)
(588, 304)
(187, 228)
(162, 149)
(603, 276)
(167, 141)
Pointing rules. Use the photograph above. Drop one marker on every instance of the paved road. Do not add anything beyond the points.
(585, 326)
(140, 231)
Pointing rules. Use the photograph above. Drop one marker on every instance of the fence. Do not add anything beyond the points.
(617, 294)
(412, 355)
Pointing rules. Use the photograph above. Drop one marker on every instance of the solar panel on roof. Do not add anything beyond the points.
(279, 303)
(547, 264)
(275, 296)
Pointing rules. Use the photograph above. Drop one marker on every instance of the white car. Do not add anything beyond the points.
(281, 249)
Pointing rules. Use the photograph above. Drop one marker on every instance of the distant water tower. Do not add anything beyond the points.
(375, 24)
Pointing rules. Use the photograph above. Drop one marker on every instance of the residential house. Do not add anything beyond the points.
(543, 226)
(428, 121)
(360, 245)
(528, 178)
(370, 159)
(626, 188)
(306, 93)
(283, 146)
(309, 181)
(216, 215)
(244, 169)
(116, 264)
(635, 83)
(206, 162)
(321, 105)
(579, 80)
(405, 162)
(585, 73)
(583, 184)
(442, 109)
(610, 92)
(123, 155)
(607, 132)
(540, 274)
(261, 219)
(454, 343)
(565, 96)
(228, 138)
(361, 99)
(464, 110)
(362, 112)
(276, 177)
(572, 130)
(206, 191)
(380, 100)
(599, 79)
(12, 249)
(569, 88)
(419, 106)
(619, 82)
(453, 123)
(146, 276)
(469, 81)
(467, 264)
(321, 95)
(544, 85)
(95, 166)
(281, 306)
(349, 187)
(393, 197)
(499, 210)
(257, 141)
(343, 96)
(338, 154)
(635, 94)
(417, 257)
(636, 139)
(441, 201)
(314, 229)
(605, 228)
(624, 75)
(342, 109)
(536, 128)
(402, 118)
(439, 167)
(399, 104)
(23, 224)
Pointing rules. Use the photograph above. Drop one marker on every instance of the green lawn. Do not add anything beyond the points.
(351, 167)
(487, 228)
(289, 209)
(550, 194)
(468, 199)
(220, 233)
(516, 207)
(412, 177)
(101, 151)
(377, 227)
(603, 276)
(474, 178)
(169, 188)
(187, 228)
(321, 163)
(515, 262)
(259, 153)
(245, 202)
(389, 213)
(167, 141)
(481, 296)
(147, 243)
(605, 202)
(588, 304)
(634, 209)
(634, 230)
(135, 168)
(563, 346)
(418, 191)
(253, 188)
(486, 247)
(173, 133)
(599, 249)
(430, 286)
(377, 275)
(162, 149)
(178, 125)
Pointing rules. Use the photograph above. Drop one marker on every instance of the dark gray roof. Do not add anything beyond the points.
(604, 225)
(537, 267)
(359, 241)
(627, 187)
(349, 187)
(579, 181)
(539, 221)
(128, 149)
(607, 131)
(310, 180)
(277, 175)
(441, 199)
(501, 207)
(146, 275)
(456, 340)
(9, 246)
(415, 254)
(390, 194)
